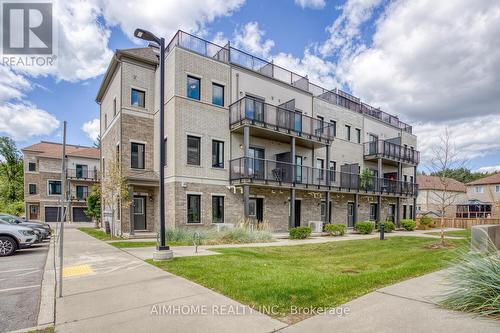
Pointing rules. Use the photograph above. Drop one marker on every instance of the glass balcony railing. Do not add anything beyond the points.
(386, 149)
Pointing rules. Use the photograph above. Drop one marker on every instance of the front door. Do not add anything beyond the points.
(297, 212)
(256, 162)
(392, 213)
(350, 214)
(139, 211)
(33, 212)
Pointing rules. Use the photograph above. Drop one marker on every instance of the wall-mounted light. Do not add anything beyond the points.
(241, 146)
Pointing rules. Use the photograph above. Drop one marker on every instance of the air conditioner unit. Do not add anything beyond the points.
(316, 226)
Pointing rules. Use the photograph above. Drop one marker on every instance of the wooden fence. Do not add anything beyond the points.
(464, 223)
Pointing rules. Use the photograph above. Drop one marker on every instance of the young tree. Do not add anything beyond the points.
(444, 159)
(11, 175)
(94, 204)
(114, 190)
(97, 142)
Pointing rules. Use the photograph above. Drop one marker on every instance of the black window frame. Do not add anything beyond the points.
(214, 85)
(198, 157)
(188, 208)
(31, 164)
(49, 187)
(132, 144)
(217, 154)
(218, 208)
(358, 135)
(348, 132)
(132, 96)
(84, 190)
(334, 126)
(32, 189)
(199, 87)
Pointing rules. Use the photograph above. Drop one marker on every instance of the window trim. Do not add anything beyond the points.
(358, 135)
(187, 208)
(143, 157)
(29, 188)
(29, 164)
(222, 165)
(199, 87)
(348, 132)
(131, 94)
(214, 84)
(223, 197)
(187, 149)
(48, 187)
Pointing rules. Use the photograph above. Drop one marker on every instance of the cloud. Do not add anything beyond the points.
(220, 39)
(12, 85)
(489, 169)
(23, 121)
(313, 4)
(92, 128)
(251, 39)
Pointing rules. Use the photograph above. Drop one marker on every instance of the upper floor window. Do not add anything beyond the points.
(479, 189)
(54, 187)
(193, 150)
(32, 166)
(358, 135)
(114, 106)
(497, 188)
(193, 87)
(217, 94)
(137, 155)
(217, 154)
(348, 132)
(138, 98)
(82, 191)
(320, 123)
(334, 127)
(32, 188)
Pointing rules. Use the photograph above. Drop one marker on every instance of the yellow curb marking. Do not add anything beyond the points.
(77, 270)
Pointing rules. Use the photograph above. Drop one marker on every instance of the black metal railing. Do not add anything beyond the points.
(78, 195)
(281, 173)
(256, 111)
(82, 174)
(240, 58)
(387, 149)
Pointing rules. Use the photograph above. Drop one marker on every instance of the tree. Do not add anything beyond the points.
(97, 142)
(366, 179)
(94, 204)
(444, 159)
(462, 174)
(11, 177)
(114, 190)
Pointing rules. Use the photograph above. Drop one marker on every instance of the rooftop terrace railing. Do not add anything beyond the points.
(232, 55)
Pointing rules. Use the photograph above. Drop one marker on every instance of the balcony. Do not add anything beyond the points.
(82, 174)
(274, 173)
(391, 151)
(280, 121)
(78, 195)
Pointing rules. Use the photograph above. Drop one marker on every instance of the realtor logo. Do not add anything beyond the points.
(27, 28)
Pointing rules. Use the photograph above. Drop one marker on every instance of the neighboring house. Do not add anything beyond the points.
(42, 180)
(485, 193)
(431, 191)
(246, 139)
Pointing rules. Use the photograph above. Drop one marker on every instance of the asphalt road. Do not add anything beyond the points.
(20, 285)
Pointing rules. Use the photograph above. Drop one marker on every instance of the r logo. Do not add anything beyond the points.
(27, 28)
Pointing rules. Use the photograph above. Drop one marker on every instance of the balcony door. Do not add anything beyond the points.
(298, 169)
(350, 214)
(254, 109)
(81, 171)
(256, 167)
(372, 145)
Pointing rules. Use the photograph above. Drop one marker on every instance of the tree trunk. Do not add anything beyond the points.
(442, 230)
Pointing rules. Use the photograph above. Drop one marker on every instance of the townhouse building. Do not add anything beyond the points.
(431, 192)
(247, 139)
(43, 180)
(484, 198)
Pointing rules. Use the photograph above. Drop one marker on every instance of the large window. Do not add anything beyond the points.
(217, 209)
(479, 189)
(54, 187)
(138, 98)
(32, 166)
(137, 156)
(193, 150)
(217, 94)
(348, 132)
(82, 192)
(334, 127)
(333, 168)
(217, 154)
(32, 188)
(193, 87)
(193, 208)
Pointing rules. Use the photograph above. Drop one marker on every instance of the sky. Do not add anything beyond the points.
(435, 64)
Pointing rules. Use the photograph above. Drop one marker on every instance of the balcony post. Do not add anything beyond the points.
(414, 193)
(379, 208)
(292, 191)
(246, 188)
(327, 204)
(131, 210)
(380, 173)
(355, 212)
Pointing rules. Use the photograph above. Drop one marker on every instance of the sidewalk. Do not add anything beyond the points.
(107, 289)
(407, 306)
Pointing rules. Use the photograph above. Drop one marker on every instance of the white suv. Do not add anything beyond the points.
(14, 237)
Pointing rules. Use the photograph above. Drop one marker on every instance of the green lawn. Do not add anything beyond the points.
(317, 275)
(455, 233)
(97, 233)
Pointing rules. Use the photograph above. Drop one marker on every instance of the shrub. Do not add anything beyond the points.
(388, 226)
(300, 232)
(426, 221)
(365, 227)
(474, 285)
(335, 229)
(408, 225)
(237, 234)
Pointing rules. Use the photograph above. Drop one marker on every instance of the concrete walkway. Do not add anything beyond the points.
(106, 289)
(404, 307)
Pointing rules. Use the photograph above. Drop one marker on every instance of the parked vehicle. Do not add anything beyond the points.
(44, 228)
(14, 237)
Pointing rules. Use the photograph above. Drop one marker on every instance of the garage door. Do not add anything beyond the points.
(79, 215)
(52, 214)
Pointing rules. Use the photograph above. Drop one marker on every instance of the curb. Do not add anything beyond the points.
(46, 313)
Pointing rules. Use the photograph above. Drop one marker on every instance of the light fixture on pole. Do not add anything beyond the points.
(162, 252)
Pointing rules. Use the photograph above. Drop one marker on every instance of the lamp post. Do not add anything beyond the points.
(162, 252)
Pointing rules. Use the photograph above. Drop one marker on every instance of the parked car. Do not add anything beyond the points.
(43, 227)
(14, 237)
(38, 232)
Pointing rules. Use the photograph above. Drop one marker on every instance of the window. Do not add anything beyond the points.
(358, 135)
(32, 188)
(193, 208)
(252, 208)
(32, 166)
(217, 154)
(193, 150)
(320, 123)
(82, 171)
(497, 188)
(165, 157)
(114, 107)
(334, 127)
(217, 209)
(373, 211)
(54, 187)
(137, 156)
(193, 87)
(320, 165)
(82, 192)
(138, 98)
(348, 132)
(217, 94)
(105, 121)
(478, 189)
(333, 168)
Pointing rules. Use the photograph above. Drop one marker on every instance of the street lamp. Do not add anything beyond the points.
(162, 251)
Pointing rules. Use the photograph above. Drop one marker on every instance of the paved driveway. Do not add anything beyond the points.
(20, 281)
